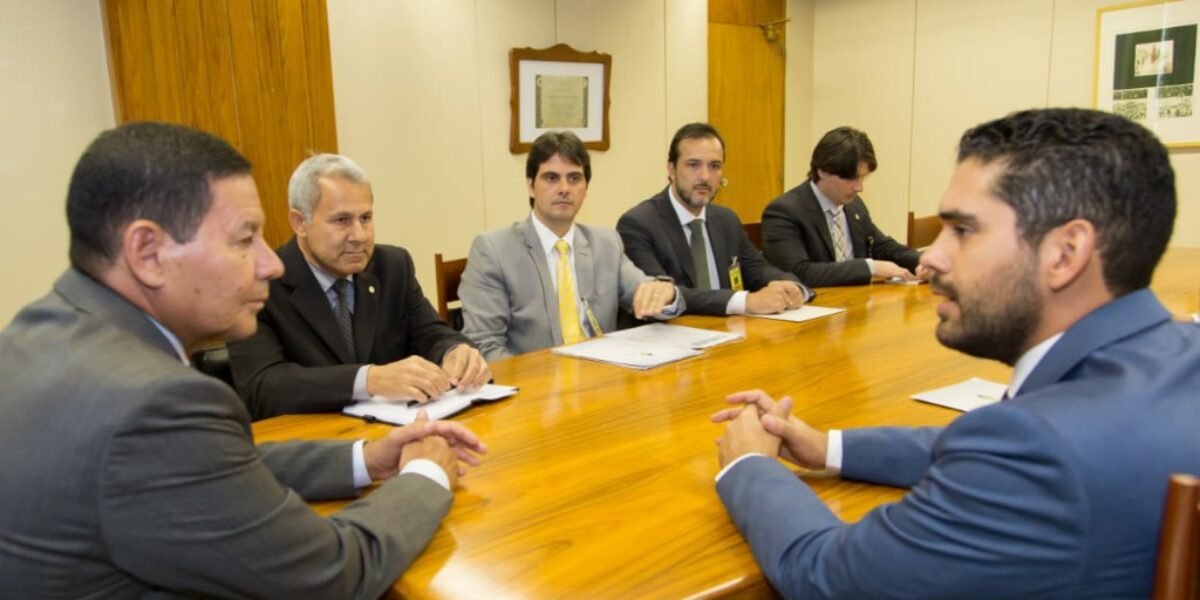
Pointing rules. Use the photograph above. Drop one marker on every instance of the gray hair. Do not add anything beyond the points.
(303, 190)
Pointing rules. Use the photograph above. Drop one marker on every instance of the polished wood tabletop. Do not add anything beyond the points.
(600, 480)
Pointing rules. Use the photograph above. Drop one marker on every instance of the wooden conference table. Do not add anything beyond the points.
(599, 482)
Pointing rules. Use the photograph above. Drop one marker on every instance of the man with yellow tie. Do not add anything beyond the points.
(547, 281)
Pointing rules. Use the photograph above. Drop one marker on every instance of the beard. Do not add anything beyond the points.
(994, 320)
(693, 202)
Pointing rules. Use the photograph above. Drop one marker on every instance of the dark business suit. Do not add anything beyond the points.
(1055, 493)
(127, 473)
(796, 239)
(655, 242)
(298, 361)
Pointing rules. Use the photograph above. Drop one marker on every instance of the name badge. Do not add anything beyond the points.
(735, 276)
(591, 317)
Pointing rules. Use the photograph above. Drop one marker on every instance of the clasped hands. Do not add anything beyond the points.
(414, 378)
(446, 443)
(761, 425)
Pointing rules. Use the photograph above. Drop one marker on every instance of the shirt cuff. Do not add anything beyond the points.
(360, 385)
(871, 265)
(427, 468)
(736, 461)
(362, 477)
(737, 303)
(672, 310)
(833, 450)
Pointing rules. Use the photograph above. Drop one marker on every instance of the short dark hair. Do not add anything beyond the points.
(1068, 163)
(155, 171)
(839, 152)
(562, 143)
(693, 131)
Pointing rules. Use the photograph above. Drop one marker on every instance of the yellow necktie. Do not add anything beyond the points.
(568, 313)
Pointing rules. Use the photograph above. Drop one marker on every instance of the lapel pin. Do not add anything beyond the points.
(855, 216)
(370, 289)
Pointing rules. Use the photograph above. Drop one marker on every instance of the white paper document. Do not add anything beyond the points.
(804, 313)
(632, 353)
(677, 335)
(405, 412)
(968, 395)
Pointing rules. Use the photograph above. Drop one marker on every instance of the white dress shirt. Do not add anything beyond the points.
(737, 302)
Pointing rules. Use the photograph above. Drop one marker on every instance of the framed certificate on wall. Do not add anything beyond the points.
(559, 88)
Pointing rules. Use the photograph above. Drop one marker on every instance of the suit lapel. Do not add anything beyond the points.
(310, 301)
(720, 249)
(533, 248)
(95, 298)
(366, 312)
(818, 218)
(584, 264)
(669, 222)
(1114, 321)
(858, 241)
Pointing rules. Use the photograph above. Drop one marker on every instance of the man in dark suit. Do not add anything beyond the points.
(129, 474)
(821, 229)
(1054, 222)
(347, 321)
(680, 233)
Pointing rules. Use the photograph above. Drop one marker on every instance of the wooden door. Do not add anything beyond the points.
(745, 100)
(255, 72)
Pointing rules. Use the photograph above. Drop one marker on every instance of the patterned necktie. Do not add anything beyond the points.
(568, 312)
(342, 314)
(699, 254)
(841, 246)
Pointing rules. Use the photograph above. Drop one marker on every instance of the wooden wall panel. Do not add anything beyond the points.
(255, 72)
(745, 12)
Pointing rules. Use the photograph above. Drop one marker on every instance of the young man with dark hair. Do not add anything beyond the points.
(547, 280)
(129, 474)
(681, 233)
(821, 230)
(1054, 222)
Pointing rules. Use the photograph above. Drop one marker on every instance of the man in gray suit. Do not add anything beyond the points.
(129, 474)
(513, 293)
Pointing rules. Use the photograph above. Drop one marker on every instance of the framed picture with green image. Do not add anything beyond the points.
(1146, 67)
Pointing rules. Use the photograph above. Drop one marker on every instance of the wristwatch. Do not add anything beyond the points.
(666, 278)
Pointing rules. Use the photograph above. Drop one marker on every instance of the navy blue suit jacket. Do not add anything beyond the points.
(1056, 493)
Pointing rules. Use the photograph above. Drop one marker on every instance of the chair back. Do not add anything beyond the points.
(922, 232)
(1177, 576)
(448, 273)
(754, 232)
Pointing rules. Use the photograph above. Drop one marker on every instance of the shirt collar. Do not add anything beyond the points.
(548, 238)
(171, 338)
(826, 204)
(1028, 362)
(325, 280)
(684, 215)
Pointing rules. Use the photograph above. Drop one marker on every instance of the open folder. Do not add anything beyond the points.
(452, 402)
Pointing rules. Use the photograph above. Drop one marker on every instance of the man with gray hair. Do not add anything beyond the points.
(347, 321)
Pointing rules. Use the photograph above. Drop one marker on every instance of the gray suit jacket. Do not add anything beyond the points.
(128, 474)
(510, 305)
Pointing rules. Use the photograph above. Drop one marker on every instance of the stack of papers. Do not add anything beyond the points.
(403, 413)
(969, 395)
(677, 335)
(804, 313)
(632, 353)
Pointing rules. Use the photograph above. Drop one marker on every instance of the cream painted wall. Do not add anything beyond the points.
(798, 92)
(56, 99)
(862, 77)
(422, 101)
(914, 74)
